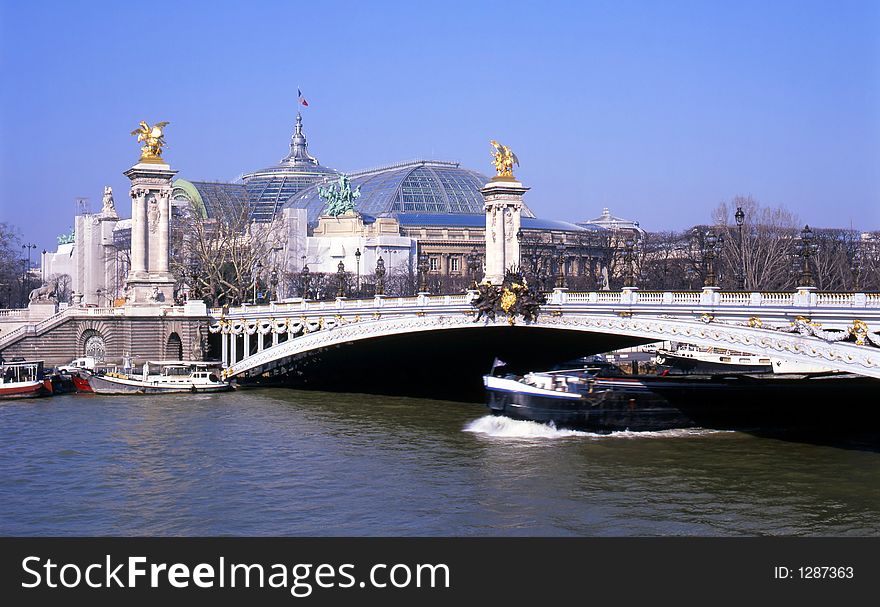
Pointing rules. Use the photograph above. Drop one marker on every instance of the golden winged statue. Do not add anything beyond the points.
(504, 159)
(154, 141)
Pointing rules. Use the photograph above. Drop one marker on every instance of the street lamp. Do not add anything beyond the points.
(472, 265)
(560, 266)
(304, 280)
(357, 257)
(740, 217)
(257, 270)
(629, 244)
(806, 249)
(856, 268)
(26, 277)
(340, 279)
(423, 273)
(380, 276)
(273, 280)
(711, 241)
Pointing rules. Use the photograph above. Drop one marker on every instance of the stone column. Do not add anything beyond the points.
(503, 206)
(164, 200)
(149, 282)
(138, 237)
(224, 347)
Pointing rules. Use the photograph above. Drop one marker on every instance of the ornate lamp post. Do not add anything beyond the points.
(711, 241)
(423, 273)
(304, 280)
(629, 244)
(357, 257)
(340, 279)
(560, 266)
(856, 268)
(273, 280)
(380, 276)
(740, 217)
(258, 269)
(472, 265)
(806, 249)
(26, 276)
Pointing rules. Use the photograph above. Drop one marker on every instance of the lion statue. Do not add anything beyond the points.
(47, 292)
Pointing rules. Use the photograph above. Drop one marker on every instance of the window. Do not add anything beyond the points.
(454, 264)
(433, 264)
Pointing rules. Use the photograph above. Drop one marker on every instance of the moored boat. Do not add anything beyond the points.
(173, 376)
(24, 379)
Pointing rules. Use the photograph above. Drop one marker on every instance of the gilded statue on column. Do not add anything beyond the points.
(154, 141)
(504, 159)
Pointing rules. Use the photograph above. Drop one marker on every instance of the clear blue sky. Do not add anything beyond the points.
(658, 110)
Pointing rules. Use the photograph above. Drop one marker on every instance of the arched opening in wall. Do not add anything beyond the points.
(174, 347)
(93, 345)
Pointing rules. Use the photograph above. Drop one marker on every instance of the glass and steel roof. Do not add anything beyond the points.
(211, 199)
(479, 221)
(419, 186)
(269, 188)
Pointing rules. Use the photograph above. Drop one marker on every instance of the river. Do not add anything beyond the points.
(284, 462)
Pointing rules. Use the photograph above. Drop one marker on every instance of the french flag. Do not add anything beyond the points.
(302, 100)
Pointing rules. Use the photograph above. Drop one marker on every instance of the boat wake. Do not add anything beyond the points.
(498, 426)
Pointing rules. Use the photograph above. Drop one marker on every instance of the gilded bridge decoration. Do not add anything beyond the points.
(503, 158)
(154, 140)
(512, 298)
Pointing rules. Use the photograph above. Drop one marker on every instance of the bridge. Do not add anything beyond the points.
(429, 339)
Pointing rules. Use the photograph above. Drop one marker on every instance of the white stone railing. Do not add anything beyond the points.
(633, 298)
(15, 312)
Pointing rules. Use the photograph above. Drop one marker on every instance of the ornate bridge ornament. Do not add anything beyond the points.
(512, 298)
(339, 196)
(503, 158)
(154, 140)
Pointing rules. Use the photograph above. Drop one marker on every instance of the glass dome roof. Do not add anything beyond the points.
(269, 188)
(420, 186)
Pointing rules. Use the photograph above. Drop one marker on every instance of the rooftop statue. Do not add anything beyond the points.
(504, 159)
(154, 140)
(108, 207)
(67, 238)
(339, 196)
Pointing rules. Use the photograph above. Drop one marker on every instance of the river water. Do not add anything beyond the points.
(284, 462)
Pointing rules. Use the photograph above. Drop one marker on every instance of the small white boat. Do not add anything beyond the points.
(173, 376)
(23, 379)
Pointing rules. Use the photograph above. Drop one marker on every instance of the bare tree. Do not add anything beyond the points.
(225, 259)
(765, 254)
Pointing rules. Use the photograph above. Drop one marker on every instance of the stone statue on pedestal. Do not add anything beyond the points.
(339, 196)
(108, 208)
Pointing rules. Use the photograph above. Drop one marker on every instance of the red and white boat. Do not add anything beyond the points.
(23, 379)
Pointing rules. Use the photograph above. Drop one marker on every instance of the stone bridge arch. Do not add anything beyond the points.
(355, 351)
